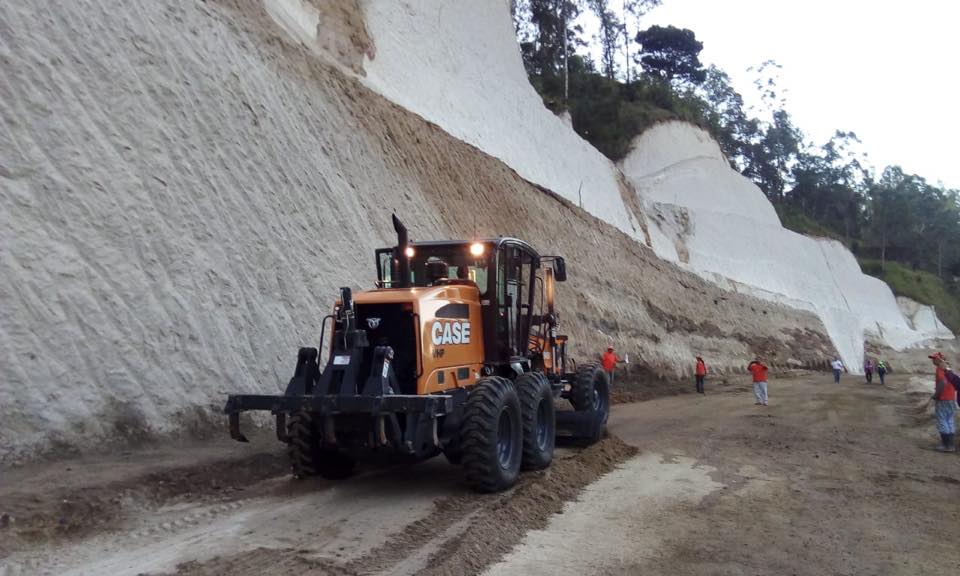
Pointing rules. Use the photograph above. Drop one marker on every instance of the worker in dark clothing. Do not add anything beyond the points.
(701, 372)
(882, 370)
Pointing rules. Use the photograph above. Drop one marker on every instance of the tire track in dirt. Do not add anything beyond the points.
(70, 513)
(463, 533)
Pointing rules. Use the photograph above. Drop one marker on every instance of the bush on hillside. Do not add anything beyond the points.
(794, 219)
(920, 286)
(609, 114)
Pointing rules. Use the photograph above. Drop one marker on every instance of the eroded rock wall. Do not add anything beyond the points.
(183, 186)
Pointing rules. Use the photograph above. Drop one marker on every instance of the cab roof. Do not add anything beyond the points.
(496, 242)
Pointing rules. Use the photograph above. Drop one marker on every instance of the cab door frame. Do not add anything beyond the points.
(510, 311)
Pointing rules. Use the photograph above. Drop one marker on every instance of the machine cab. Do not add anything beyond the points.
(505, 272)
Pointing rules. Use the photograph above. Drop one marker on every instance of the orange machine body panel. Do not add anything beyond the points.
(449, 330)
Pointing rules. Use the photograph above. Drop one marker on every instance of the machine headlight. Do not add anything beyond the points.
(476, 249)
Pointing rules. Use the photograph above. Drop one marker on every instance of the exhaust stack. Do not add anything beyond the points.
(403, 242)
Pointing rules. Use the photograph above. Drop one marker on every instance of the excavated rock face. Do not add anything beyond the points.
(923, 318)
(332, 29)
(719, 225)
(184, 186)
(457, 64)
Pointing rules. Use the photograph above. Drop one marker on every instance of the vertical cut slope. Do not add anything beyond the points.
(733, 235)
(458, 64)
(184, 186)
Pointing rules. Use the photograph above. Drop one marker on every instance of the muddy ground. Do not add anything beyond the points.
(827, 480)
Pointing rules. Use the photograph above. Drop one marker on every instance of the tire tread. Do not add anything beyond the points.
(532, 387)
(478, 436)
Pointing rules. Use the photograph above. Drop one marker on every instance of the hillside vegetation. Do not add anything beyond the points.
(796, 220)
(921, 286)
(610, 114)
(909, 226)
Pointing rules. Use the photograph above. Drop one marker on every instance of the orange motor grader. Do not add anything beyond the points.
(456, 351)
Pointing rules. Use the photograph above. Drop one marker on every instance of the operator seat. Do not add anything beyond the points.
(437, 271)
(462, 279)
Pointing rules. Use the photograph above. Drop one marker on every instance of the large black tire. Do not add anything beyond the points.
(491, 435)
(308, 457)
(539, 420)
(591, 393)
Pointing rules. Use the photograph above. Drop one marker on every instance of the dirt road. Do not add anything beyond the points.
(827, 480)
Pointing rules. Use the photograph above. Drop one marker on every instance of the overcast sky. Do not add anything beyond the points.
(885, 70)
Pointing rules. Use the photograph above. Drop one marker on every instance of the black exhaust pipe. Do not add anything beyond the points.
(403, 242)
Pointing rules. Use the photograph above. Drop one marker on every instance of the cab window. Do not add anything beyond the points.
(385, 266)
(430, 263)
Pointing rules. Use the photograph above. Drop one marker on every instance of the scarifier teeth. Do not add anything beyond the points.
(235, 432)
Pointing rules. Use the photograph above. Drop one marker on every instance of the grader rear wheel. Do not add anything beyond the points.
(491, 435)
(539, 420)
(590, 393)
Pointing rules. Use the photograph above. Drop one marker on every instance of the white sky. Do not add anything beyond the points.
(885, 70)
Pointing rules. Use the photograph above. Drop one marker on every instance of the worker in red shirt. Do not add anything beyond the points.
(945, 399)
(701, 372)
(609, 361)
(759, 371)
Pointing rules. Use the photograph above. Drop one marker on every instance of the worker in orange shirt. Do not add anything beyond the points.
(759, 371)
(609, 361)
(945, 403)
(701, 372)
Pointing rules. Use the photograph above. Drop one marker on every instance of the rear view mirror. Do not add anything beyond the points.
(560, 269)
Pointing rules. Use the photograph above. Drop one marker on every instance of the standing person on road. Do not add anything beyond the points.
(868, 370)
(701, 374)
(882, 370)
(837, 366)
(759, 371)
(609, 361)
(945, 398)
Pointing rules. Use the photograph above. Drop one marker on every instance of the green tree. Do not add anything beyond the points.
(769, 160)
(830, 185)
(610, 30)
(550, 38)
(726, 117)
(633, 11)
(671, 54)
(892, 217)
(766, 83)
(937, 227)
(520, 12)
(827, 189)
